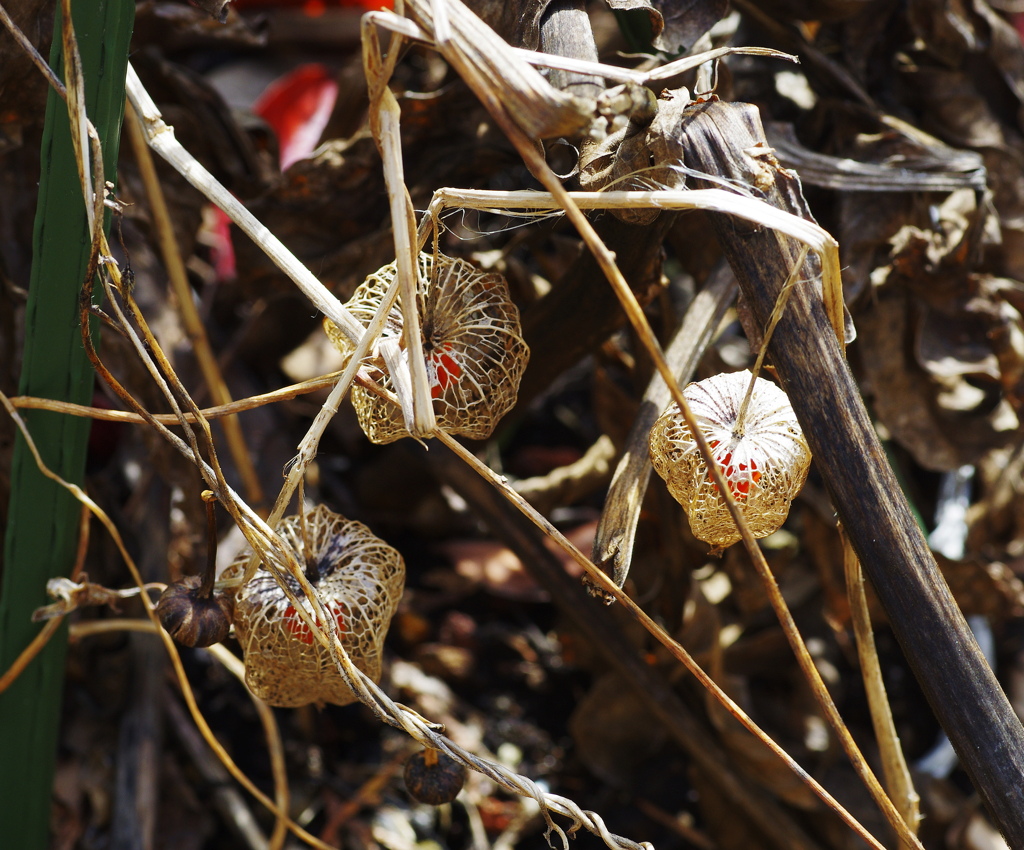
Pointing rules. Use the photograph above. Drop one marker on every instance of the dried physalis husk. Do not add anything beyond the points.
(359, 579)
(475, 354)
(764, 463)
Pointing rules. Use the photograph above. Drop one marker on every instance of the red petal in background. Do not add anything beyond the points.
(298, 106)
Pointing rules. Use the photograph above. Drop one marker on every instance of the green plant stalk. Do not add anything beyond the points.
(43, 518)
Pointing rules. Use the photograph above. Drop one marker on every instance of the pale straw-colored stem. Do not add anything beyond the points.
(160, 137)
(191, 321)
(894, 764)
(773, 320)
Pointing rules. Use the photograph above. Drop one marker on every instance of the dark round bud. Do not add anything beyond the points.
(190, 618)
(434, 777)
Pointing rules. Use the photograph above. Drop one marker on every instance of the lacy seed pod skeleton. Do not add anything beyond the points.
(359, 579)
(474, 352)
(764, 458)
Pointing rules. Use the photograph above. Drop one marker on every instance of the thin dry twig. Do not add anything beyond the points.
(608, 586)
(161, 138)
(193, 325)
(28, 654)
(894, 765)
(239, 406)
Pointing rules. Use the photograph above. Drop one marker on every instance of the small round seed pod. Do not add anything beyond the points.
(433, 777)
(764, 459)
(191, 618)
(359, 579)
(475, 354)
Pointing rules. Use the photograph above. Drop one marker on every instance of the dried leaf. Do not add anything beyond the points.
(614, 732)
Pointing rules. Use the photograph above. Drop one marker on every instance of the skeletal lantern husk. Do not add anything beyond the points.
(764, 463)
(474, 351)
(359, 579)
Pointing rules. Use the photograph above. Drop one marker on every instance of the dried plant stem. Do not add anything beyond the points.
(818, 240)
(50, 627)
(780, 308)
(152, 356)
(385, 116)
(894, 766)
(287, 393)
(275, 747)
(84, 137)
(161, 138)
(608, 586)
(37, 59)
(90, 628)
(830, 269)
(194, 328)
(310, 442)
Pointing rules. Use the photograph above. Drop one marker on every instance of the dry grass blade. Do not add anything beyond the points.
(473, 47)
(894, 765)
(824, 246)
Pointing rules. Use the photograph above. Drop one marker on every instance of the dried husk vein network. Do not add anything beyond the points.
(764, 459)
(474, 351)
(359, 579)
